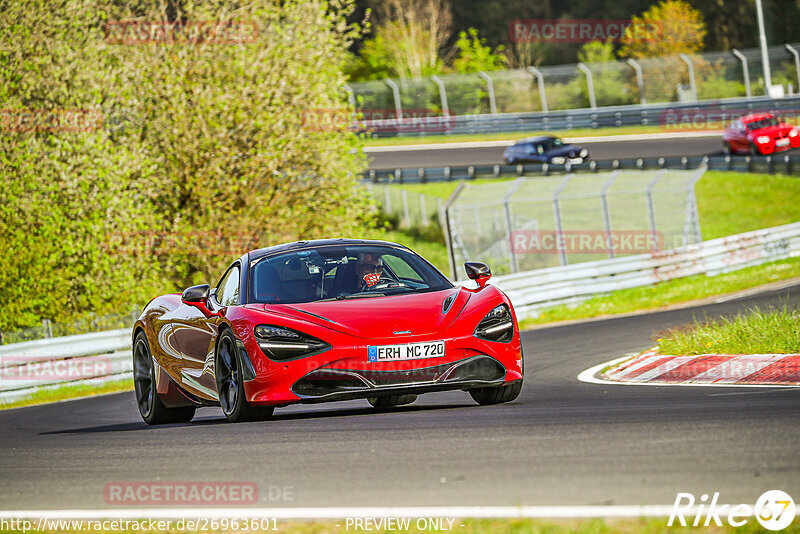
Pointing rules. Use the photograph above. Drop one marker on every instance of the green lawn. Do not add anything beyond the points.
(501, 136)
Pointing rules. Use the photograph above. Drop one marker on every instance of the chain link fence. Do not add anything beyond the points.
(533, 223)
(679, 78)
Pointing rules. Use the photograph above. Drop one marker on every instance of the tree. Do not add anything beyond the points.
(473, 55)
(671, 27)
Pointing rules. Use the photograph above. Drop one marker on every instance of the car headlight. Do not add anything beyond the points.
(584, 152)
(558, 160)
(283, 344)
(496, 326)
(793, 132)
(762, 139)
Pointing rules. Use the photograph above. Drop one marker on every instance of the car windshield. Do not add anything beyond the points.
(550, 144)
(763, 123)
(341, 273)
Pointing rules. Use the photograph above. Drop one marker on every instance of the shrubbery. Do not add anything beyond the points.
(205, 149)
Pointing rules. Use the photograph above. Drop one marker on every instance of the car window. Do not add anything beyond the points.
(228, 288)
(342, 272)
(557, 142)
(540, 149)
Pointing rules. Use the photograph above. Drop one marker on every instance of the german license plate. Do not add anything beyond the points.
(409, 351)
(781, 142)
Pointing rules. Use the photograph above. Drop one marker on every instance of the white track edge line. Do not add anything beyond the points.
(588, 376)
(507, 142)
(567, 511)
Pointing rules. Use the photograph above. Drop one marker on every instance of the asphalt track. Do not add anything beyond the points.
(605, 149)
(563, 442)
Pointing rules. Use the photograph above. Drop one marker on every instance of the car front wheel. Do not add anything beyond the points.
(230, 384)
(497, 395)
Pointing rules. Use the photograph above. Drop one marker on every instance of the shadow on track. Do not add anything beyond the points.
(299, 416)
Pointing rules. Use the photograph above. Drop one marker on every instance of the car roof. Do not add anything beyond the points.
(756, 117)
(315, 243)
(537, 139)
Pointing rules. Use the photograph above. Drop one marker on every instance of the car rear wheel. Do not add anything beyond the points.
(230, 384)
(726, 148)
(497, 395)
(391, 400)
(144, 383)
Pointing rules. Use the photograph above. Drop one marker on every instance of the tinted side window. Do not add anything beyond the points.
(228, 288)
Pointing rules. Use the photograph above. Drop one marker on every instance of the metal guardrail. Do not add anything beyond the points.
(53, 362)
(780, 163)
(534, 290)
(603, 117)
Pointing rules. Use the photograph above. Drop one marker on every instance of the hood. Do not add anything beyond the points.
(565, 151)
(381, 317)
(776, 132)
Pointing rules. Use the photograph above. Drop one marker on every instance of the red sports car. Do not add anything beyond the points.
(327, 320)
(759, 134)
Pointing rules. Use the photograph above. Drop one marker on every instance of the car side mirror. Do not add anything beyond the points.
(480, 272)
(196, 294)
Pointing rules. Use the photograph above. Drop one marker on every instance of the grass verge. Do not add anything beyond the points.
(501, 136)
(670, 292)
(70, 392)
(755, 331)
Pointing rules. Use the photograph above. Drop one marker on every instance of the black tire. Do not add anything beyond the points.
(389, 401)
(497, 395)
(144, 379)
(230, 384)
(726, 148)
(754, 150)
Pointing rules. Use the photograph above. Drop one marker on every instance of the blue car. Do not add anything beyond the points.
(544, 149)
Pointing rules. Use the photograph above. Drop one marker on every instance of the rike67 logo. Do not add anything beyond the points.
(774, 510)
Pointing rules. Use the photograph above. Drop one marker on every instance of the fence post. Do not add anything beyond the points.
(512, 256)
(792, 50)
(651, 208)
(606, 213)
(745, 70)
(423, 209)
(692, 222)
(540, 82)
(351, 96)
(448, 230)
(692, 84)
(589, 83)
(406, 214)
(398, 106)
(558, 220)
(47, 326)
(442, 95)
(1, 337)
(387, 200)
(490, 87)
(639, 79)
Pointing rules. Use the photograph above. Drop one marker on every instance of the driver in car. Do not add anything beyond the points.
(368, 269)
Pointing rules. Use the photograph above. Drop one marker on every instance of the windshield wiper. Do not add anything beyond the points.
(355, 296)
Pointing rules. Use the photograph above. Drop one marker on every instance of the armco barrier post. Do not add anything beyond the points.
(589, 83)
(745, 71)
(398, 106)
(692, 84)
(558, 220)
(639, 79)
(540, 81)
(442, 95)
(490, 87)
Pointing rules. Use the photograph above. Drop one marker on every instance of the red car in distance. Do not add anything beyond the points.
(326, 320)
(759, 134)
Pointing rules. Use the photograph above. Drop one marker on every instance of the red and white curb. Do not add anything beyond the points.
(652, 368)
